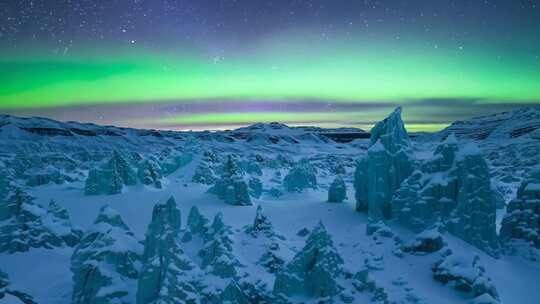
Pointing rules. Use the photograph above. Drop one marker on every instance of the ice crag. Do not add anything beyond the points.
(262, 228)
(59, 221)
(430, 193)
(473, 218)
(337, 192)
(233, 294)
(26, 225)
(173, 161)
(387, 164)
(197, 224)
(261, 225)
(302, 176)
(111, 177)
(255, 187)
(314, 270)
(106, 263)
(168, 276)
(522, 220)
(203, 174)
(217, 253)
(231, 187)
(453, 189)
(149, 173)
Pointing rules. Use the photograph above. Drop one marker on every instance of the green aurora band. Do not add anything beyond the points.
(230, 120)
(372, 73)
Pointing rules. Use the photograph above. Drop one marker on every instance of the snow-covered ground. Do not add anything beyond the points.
(406, 278)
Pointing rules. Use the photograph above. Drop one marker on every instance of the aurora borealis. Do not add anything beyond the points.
(217, 64)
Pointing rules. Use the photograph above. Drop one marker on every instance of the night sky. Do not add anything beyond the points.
(201, 64)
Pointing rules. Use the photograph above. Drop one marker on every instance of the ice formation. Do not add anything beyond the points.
(58, 220)
(452, 188)
(27, 225)
(234, 294)
(173, 162)
(251, 167)
(110, 178)
(12, 296)
(203, 174)
(149, 173)
(168, 276)
(522, 219)
(197, 224)
(427, 241)
(337, 192)
(231, 187)
(473, 218)
(106, 262)
(466, 274)
(446, 196)
(217, 253)
(430, 193)
(314, 270)
(262, 228)
(301, 176)
(261, 225)
(388, 162)
(255, 187)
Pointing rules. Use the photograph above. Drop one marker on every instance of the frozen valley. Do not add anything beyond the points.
(270, 213)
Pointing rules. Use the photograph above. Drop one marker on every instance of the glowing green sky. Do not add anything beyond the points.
(374, 73)
(217, 63)
(345, 73)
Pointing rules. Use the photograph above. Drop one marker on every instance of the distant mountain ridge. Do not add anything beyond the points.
(520, 123)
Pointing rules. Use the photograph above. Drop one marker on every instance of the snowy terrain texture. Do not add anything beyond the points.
(270, 213)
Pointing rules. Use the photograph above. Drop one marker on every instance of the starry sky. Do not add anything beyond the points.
(215, 64)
